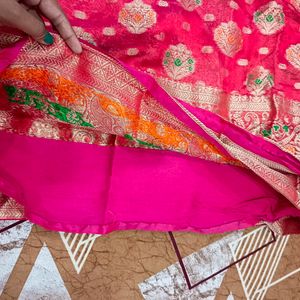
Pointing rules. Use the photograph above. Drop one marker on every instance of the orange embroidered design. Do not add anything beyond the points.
(228, 37)
(107, 114)
(292, 54)
(137, 16)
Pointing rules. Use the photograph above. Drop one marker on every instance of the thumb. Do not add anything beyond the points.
(28, 21)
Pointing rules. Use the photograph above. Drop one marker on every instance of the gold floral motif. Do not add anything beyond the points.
(137, 16)
(109, 119)
(114, 80)
(110, 78)
(190, 5)
(296, 4)
(284, 130)
(285, 134)
(242, 103)
(269, 18)
(8, 39)
(292, 54)
(253, 113)
(198, 94)
(86, 36)
(273, 173)
(250, 112)
(228, 37)
(259, 80)
(178, 62)
(109, 31)
(40, 128)
(4, 120)
(82, 136)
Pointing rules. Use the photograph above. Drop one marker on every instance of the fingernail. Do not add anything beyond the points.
(77, 48)
(48, 38)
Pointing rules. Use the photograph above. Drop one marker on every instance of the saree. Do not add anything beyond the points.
(177, 115)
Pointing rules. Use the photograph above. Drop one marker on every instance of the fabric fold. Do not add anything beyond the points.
(151, 129)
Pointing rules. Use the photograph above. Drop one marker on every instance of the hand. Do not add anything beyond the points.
(26, 16)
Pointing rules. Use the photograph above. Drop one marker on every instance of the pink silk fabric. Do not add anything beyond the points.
(226, 41)
(229, 71)
(101, 189)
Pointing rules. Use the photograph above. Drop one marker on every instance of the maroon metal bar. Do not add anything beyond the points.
(187, 279)
(12, 225)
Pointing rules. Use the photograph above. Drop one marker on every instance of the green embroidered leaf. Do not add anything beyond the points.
(129, 137)
(269, 18)
(40, 102)
(286, 128)
(178, 62)
(266, 133)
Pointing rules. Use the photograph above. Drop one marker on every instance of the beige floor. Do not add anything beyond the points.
(38, 264)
